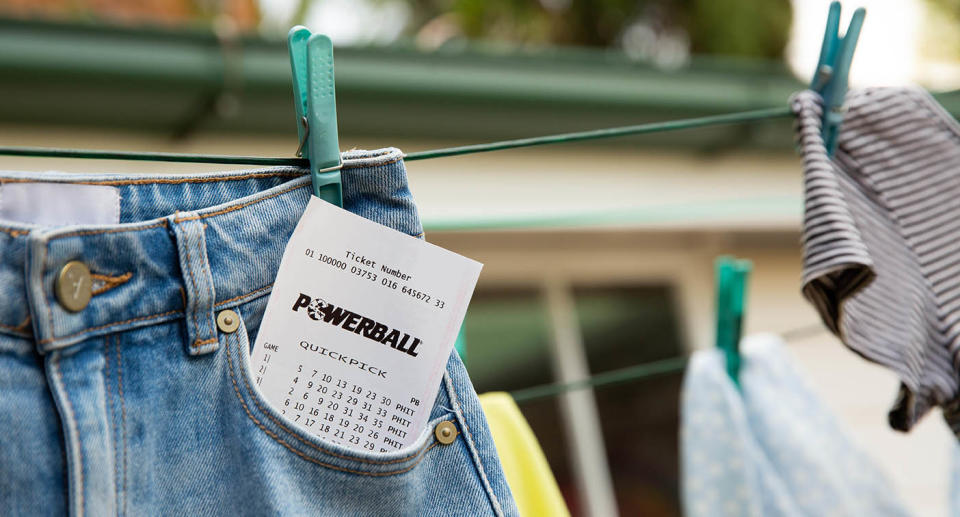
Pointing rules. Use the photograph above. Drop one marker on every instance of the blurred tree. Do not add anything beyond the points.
(662, 30)
(757, 28)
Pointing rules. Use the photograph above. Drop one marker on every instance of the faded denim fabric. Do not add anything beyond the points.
(138, 405)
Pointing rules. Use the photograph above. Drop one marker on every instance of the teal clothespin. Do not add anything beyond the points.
(311, 61)
(731, 279)
(833, 69)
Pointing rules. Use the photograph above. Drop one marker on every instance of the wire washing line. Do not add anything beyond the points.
(634, 373)
(613, 377)
(642, 371)
(597, 134)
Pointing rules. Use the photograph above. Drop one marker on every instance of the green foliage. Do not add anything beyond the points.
(754, 28)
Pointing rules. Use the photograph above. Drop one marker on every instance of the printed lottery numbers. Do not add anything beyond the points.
(339, 411)
(268, 348)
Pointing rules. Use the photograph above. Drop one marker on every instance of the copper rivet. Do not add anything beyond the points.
(228, 321)
(445, 432)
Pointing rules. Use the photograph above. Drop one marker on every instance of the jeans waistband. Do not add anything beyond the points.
(185, 246)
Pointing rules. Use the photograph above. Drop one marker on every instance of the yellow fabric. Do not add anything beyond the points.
(534, 488)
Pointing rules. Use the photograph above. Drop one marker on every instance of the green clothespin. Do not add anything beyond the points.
(833, 69)
(732, 277)
(311, 61)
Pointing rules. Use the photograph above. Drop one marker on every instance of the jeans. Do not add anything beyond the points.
(137, 404)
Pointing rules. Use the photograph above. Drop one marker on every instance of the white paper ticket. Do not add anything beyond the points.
(358, 329)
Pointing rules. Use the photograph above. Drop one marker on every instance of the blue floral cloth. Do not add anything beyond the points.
(771, 448)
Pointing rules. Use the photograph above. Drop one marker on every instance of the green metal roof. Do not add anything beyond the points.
(166, 81)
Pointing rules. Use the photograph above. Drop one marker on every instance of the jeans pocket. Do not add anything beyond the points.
(272, 422)
(287, 470)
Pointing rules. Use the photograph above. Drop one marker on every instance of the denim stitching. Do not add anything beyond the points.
(422, 453)
(190, 313)
(197, 344)
(19, 329)
(471, 444)
(152, 316)
(362, 165)
(235, 298)
(212, 296)
(48, 303)
(12, 232)
(123, 423)
(198, 312)
(22, 330)
(17, 232)
(164, 221)
(163, 181)
(23, 325)
(113, 421)
(109, 282)
(195, 310)
(234, 208)
(100, 327)
(312, 446)
(100, 232)
(123, 230)
(72, 417)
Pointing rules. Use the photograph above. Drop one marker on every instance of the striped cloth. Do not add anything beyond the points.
(881, 239)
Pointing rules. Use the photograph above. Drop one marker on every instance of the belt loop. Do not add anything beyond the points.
(197, 283)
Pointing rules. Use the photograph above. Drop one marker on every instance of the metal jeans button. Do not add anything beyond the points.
(228, 321)
(74, 286)
(445, 432)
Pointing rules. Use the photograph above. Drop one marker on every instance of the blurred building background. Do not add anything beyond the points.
(597, 255)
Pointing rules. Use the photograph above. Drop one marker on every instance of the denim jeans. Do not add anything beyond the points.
(138, 404)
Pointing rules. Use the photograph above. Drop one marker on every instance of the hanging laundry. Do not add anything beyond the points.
(953, 484)
(531, 481)
(881, 236)
(771, 448)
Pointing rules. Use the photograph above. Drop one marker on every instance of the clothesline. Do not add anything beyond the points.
(597, 134)
(655, 127)
(634, 373)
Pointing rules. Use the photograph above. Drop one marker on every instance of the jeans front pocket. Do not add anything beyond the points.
(295, 472)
